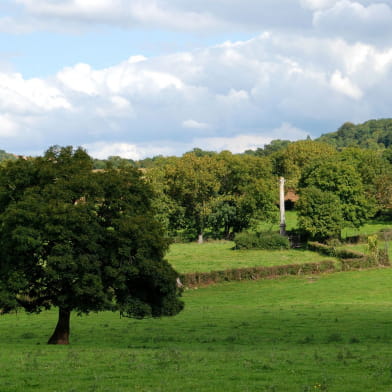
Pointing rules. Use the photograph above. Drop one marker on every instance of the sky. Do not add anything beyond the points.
(139, 78)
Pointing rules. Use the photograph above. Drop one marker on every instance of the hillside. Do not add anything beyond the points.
(373, 134)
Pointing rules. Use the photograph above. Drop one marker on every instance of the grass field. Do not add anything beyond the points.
(325, 333)
(295, 334)
(213, 256)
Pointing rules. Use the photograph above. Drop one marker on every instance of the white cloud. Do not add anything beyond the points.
(8, 127)
(236, 144)
(128, 77)
(234, 96)
(32, 95)
(103, 150)
(345, 86)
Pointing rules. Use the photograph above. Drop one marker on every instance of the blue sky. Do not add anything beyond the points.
(140, 78)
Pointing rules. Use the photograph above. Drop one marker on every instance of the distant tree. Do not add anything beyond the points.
(81, 241)
(320, 213)
(119, 162)
(192, 182)
(201, 153)
(387, 154)
(248, 192)
(383, 191)
(368, 163)
(344, 195)
(372, 134)
(272, 147)
(297, 156)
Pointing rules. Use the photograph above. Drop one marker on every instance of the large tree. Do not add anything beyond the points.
(81, 240)
(188, 187)
(340, 194)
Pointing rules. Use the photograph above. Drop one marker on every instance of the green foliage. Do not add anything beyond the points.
(81, 240)
(296, 157)
(373, 134)
(222, 193)
(269, 149)
(319, 213)
(261, 240)
(332, 197)
(113, 162)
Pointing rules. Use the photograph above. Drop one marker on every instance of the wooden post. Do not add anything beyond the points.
(282, 209)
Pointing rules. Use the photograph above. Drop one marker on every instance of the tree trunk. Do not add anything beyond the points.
(61, 333)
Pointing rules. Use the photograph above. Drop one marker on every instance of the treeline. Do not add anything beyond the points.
(373, 134)
(342, 179)
(222, 194)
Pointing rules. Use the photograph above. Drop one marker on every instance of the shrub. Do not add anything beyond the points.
(350, 264)
(246, 240)
(321, 248)
(348, 254)
(261, 240)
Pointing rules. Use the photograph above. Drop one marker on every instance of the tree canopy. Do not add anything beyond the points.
(372, 134)
(332, 197)
(222, 192)
(81, 240)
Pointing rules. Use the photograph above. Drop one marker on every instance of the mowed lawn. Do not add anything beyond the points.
(322, 333)
(216, 256)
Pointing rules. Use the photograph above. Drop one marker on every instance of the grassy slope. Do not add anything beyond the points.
(330, 333)
(213, 256)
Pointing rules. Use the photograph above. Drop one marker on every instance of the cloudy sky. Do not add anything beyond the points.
(139, 78)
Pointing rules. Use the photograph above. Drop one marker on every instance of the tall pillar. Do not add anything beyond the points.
(281, 205)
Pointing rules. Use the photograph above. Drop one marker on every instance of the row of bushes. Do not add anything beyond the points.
(332, 251)
(254, 273)
(261, 240)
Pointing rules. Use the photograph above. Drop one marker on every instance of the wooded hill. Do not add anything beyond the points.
(373, 134)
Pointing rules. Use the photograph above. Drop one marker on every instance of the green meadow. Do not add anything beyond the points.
(219, 255)
(329, 332)
(311, 333)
